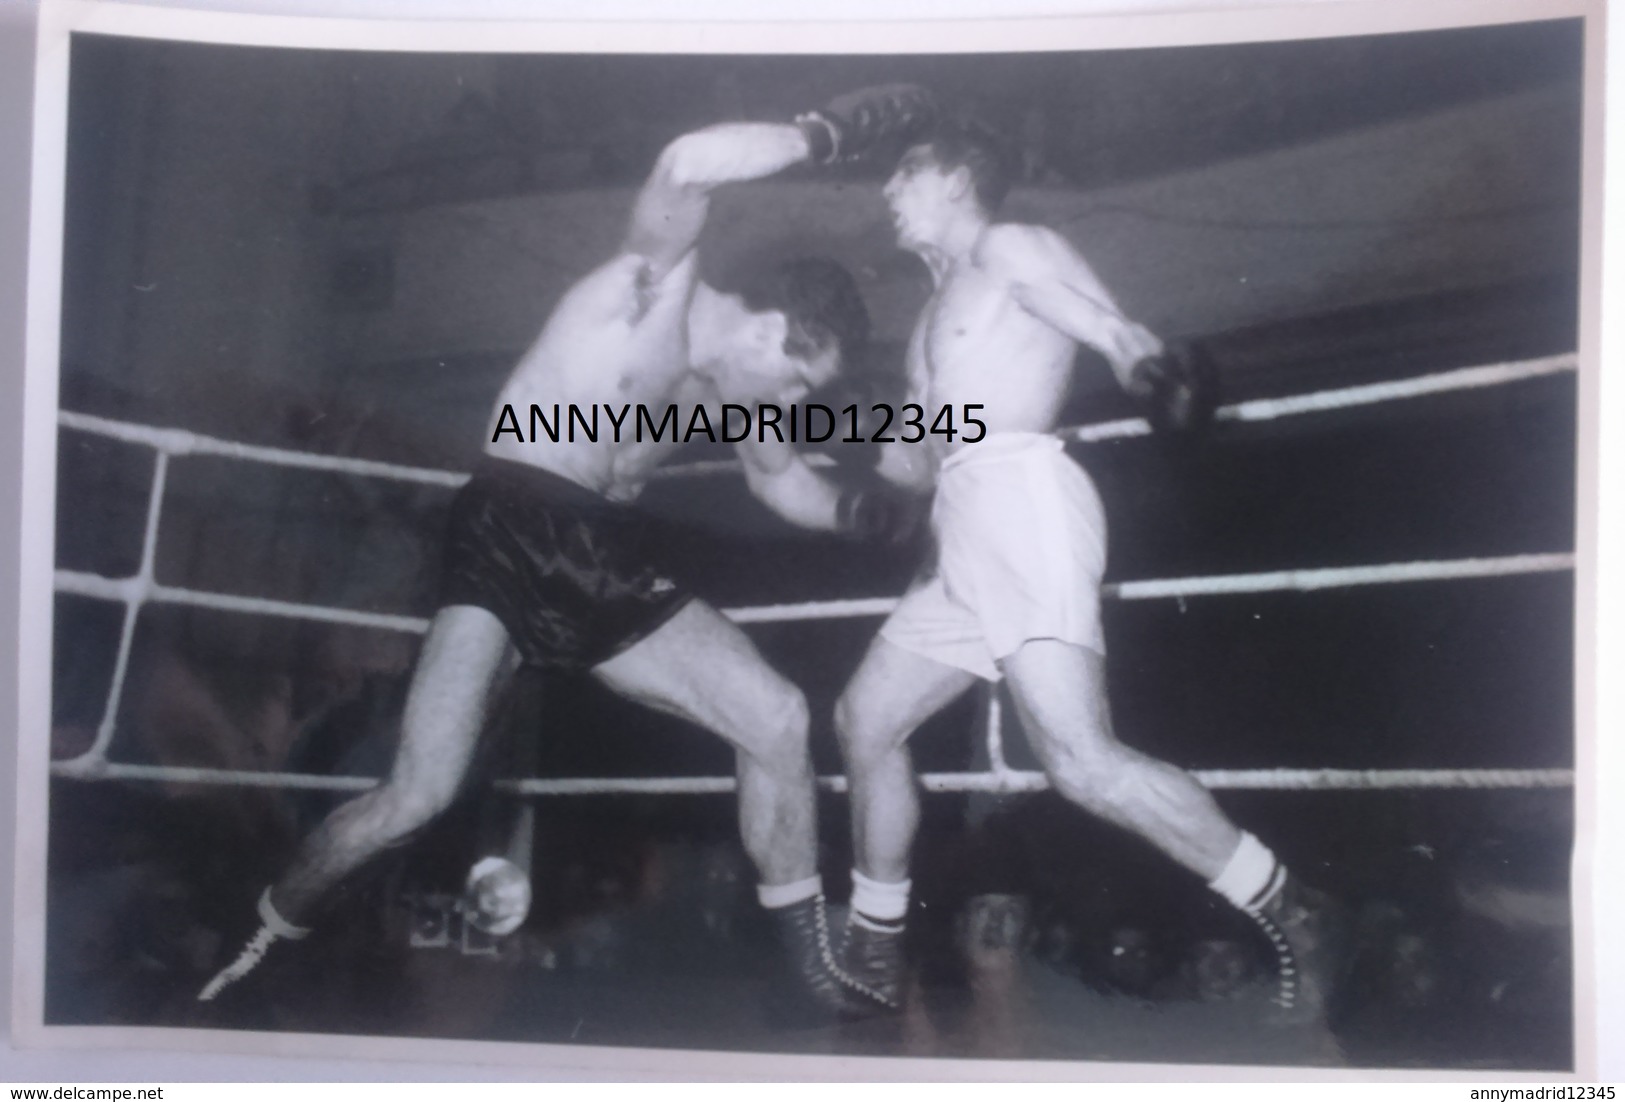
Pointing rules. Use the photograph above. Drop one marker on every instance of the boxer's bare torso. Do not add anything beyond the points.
(992, 332)
(618, 337)
(642, 331)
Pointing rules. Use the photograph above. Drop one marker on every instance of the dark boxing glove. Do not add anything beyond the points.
(881, 514)
(1180, 387)
(858, 123)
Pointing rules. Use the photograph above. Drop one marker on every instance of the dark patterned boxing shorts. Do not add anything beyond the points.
(570, 574)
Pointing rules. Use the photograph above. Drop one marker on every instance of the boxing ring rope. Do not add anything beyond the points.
(142, 588)
(1269, 409)
(1001, 781)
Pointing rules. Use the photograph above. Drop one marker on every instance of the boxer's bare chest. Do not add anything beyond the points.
(980, 346)
(970, 327)
(612, 348)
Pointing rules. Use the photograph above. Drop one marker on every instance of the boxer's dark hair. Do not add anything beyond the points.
(977, 148)
(821, 304)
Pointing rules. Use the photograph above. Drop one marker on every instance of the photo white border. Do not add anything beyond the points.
(1155, 24)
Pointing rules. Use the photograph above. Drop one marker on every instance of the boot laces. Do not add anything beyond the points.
(246, 962)
(1286, 961)
(839, 972)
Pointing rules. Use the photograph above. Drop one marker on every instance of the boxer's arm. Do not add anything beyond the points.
(1053, 283)
(909, 466)
(672, 207)
(873, 512)
(775, 472)
(781, 478)
(1178, 383)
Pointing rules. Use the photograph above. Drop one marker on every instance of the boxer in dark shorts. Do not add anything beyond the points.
(549, 565)
(570, 575)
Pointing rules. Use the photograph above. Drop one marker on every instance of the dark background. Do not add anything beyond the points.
(344, 253)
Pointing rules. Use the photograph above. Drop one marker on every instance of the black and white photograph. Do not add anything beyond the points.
(1060, 555)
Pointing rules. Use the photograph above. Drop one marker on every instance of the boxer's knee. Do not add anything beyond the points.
(401, 811)
(779, 742)
(864, 742)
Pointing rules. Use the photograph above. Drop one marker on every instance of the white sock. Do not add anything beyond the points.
(884, 905)
(774, 896)
(278, 925)
(1252, 876)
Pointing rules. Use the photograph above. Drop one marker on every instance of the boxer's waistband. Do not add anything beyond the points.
(1002, 446)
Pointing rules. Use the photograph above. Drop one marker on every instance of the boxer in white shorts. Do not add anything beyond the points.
(1014, 590)
(1022, 540)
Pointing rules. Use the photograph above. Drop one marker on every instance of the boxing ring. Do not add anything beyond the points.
(142, 588)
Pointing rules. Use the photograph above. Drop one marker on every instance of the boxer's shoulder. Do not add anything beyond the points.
(626, 287)
(1021, 248)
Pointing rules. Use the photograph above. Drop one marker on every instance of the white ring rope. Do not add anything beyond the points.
(133, 590)
(1270, 409)
(141, 588)
(1340, 577)
(182, 442)
(994, 781)
(1466, 378)
(132, 607)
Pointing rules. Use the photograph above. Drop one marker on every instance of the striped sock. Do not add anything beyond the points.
(774, 896)
(1251, 877)
(879, 905)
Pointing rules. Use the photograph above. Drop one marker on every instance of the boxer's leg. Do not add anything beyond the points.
(1060, 693)
(463, 659)
(893, 691)
(700, 666)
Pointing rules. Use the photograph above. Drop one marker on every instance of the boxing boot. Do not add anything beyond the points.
(1309, 932)
(875, 959)
(273, 928)
(820, 984)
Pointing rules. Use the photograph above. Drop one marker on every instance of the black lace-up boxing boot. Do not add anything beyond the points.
(874, 957)
(1309, 932)
(273, 928)
(823, 987)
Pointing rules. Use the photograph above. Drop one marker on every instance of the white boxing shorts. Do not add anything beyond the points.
(1021, 548)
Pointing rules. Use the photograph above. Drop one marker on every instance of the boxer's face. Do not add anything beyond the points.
(765, 367)
(923, 197)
